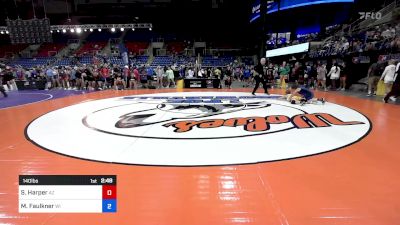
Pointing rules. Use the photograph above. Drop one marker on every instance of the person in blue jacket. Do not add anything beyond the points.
(302, 95)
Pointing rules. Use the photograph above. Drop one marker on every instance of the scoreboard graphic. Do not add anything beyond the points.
(67, 194)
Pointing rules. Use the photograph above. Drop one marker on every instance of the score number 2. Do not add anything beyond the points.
(109, 198)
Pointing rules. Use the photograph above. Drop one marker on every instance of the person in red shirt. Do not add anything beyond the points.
(137, 74)
(136, 78)
(105, 74)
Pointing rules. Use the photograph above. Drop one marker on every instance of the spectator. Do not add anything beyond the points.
(389, 75)
(170, 77)
(395, 91)
(334, 75)
(374, 74)
(284, 71)
(190, 73)
(160, 75)
(343, 77)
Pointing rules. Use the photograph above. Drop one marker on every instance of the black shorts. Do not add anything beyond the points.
(7, 77)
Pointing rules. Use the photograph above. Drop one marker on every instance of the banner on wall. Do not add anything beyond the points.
(301, 48)
(272, 6)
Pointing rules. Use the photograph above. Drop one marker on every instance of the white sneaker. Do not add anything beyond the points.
(393, 99)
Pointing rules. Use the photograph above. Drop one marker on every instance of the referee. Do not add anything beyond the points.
(260, 76)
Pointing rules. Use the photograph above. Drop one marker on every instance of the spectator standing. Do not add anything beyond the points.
(50, 78)
(334, 75)
(218, 75)
(321, 76)
(395, 91)
(388, 76)
(343, 77)
(170, 77)
(284, 71)
(374, 74)
(160, 75)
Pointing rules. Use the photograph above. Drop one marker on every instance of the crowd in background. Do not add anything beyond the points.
(385, 38)
(317, 74)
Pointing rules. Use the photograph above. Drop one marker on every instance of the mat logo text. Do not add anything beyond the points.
(259, 124)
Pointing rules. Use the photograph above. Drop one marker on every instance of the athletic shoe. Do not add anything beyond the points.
(369, 95)
(393, 99)
(342, 89)
(253, 93)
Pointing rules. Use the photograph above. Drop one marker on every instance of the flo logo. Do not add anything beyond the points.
(195, 129)
(370, 15)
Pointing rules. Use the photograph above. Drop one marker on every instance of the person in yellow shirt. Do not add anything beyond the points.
(217, 74)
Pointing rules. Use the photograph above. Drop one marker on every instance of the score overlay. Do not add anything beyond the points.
(67, 193)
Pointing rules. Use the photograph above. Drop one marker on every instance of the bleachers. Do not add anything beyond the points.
(140, 60)
(91, 48)
(14, 49)
(162, 61)
(49, 49)
(86, 59)
(115, 60)
(185, 60)
(136, 47)
(209, 61)
(64, 62)
(32, 62)
(176, 47)
(247, 60)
